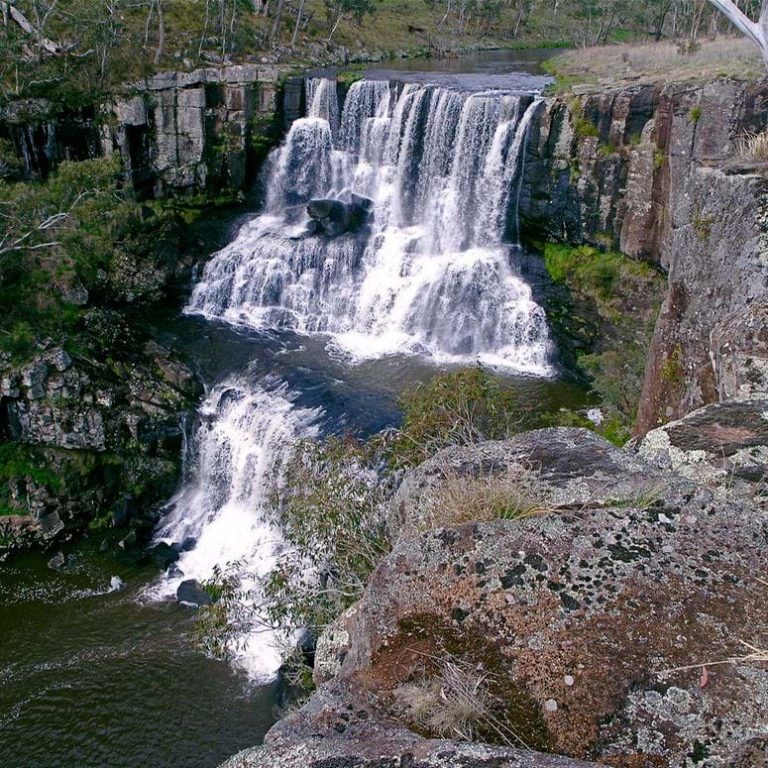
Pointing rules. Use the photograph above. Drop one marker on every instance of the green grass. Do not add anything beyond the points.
(623, 296)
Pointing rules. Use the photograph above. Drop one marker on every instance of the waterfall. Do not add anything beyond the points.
(432, 275)
(222, 516)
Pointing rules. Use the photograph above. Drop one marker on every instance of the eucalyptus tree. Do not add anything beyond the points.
(756, 31)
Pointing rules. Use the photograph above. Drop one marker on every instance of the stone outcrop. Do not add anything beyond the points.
(724, 446)
(188, 132)
(654, 171)
(108, 436)
(611, 622)
(340, 728)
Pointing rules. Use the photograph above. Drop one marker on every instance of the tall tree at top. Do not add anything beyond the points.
(756, 31)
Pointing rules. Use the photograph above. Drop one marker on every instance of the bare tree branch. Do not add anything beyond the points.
(757, 32)
(26, 25)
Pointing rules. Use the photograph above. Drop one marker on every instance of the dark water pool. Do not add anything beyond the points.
(95, 678)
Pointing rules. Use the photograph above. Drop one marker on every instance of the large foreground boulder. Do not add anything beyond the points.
(339, 728)
(610, 623)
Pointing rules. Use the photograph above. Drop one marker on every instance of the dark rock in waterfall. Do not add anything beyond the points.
(191, 592)
(187, 545)
(335, 217)
(163, 555)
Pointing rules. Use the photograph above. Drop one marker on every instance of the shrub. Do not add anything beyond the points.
(329, 515)
(456, 698)
(462, 407)
(753, 147)
(94, 237)
(461, 500)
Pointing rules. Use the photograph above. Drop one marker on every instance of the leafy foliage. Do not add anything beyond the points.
(76, 239)
(329, 514)
(462, 407)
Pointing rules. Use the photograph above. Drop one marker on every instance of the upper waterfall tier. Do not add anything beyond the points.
(431, 273)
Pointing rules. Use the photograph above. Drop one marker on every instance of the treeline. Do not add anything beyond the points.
(48, 47)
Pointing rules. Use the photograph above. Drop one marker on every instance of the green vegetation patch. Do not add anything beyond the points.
(620, 299)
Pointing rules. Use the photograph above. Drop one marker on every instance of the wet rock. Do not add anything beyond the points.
(50, 524)
(57, 562)
(162, 555)
(192, 593)
(336, 217)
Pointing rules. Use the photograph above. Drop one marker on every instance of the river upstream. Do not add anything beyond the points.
(295, 336)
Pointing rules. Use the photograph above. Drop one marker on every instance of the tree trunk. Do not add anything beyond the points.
(22, 21)
(299, 17)
(757, 32)
(336, 26)
(160, 33)
(278, 18)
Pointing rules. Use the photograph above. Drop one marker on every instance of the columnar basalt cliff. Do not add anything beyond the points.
(177, 132)
(656, 172)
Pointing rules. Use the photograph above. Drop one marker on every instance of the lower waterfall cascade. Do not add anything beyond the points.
(429, 274)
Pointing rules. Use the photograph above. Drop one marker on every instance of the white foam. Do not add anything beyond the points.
(246, 435)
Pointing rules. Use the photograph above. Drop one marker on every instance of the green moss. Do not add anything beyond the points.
(584, 128)
(19, 461)
(672, 371)
(702, 226)
(622, 296)
(658, 159)
(594, 271)
(694, 115)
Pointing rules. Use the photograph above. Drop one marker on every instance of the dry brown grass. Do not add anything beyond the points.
(661, 62)
(452, 700)
(753, 147)
(460, 500)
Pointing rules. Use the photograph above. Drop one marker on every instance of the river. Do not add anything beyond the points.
(294, 336)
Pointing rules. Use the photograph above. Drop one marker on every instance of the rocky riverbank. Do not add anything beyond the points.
(616, 622)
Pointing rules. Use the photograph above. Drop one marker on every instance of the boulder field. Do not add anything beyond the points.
(617, 616)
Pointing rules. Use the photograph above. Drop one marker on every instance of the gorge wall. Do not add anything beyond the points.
(656, 172)
(652, 171)
(177, 132)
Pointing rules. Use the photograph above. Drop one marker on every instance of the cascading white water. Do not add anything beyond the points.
(223, 512)
(430, 275)
(433, 275)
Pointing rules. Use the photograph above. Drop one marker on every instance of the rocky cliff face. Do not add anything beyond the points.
(96, 442)
(655, 172)
(177, 132)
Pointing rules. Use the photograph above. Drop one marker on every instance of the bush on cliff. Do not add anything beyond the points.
(462, 407)
(76, 240)
(329, 514)
(620, 298)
